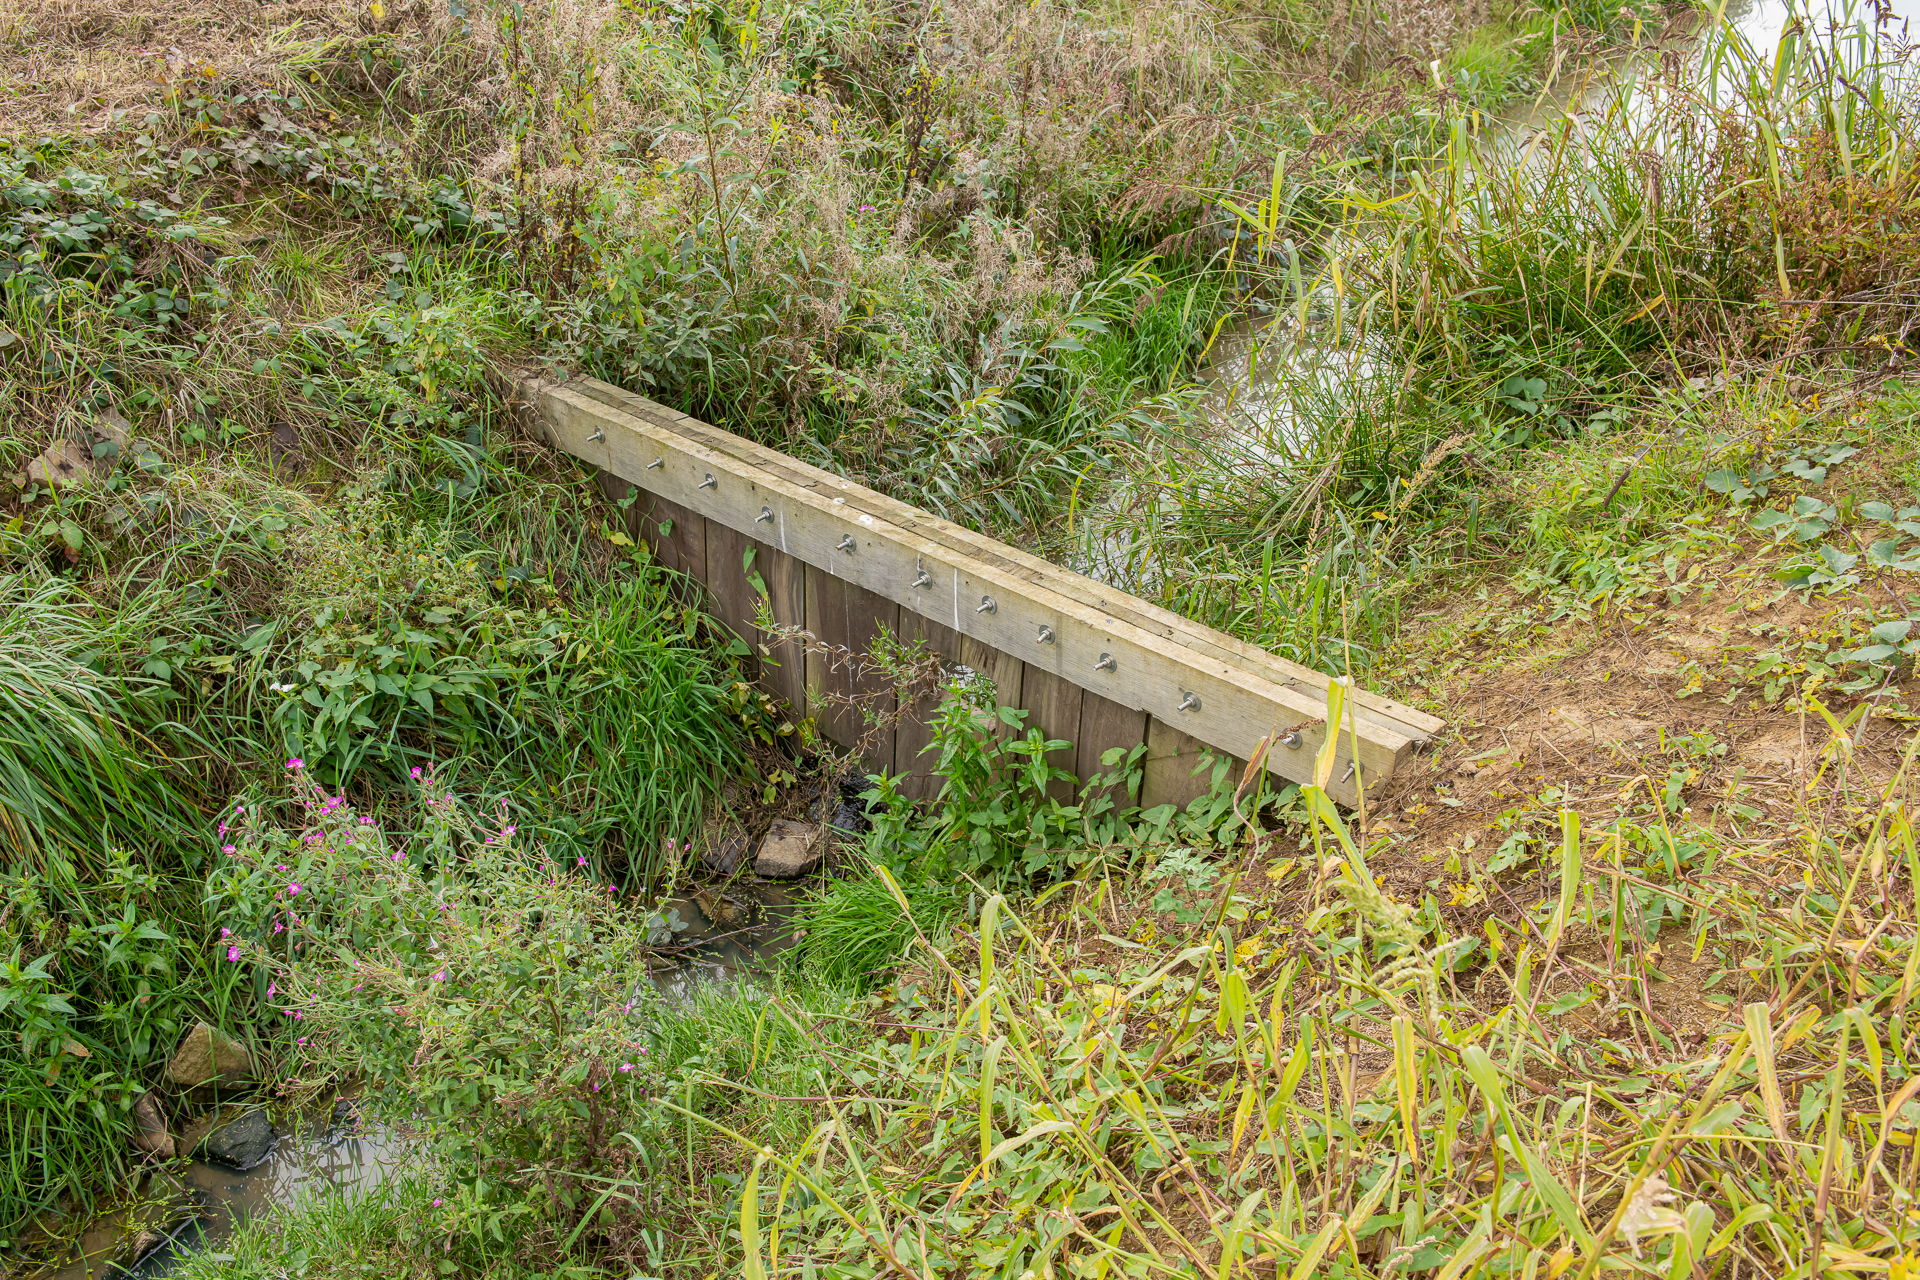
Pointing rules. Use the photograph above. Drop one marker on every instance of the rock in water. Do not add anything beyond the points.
(207, 1056)
(790, 849)
(723, 856)
(150, 1128)
(241, 1144)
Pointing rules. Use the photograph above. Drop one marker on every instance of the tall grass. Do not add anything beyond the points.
(80, 765)
(1734, 201)
(1356, 1092)
(1712, 208)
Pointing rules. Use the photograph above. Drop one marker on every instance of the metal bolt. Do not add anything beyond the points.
(765, 516)
(595, 436)
(1189, 701)
(1291, 740)
(1045, 635)
(987, 605)
(1347, 774)
(922, 579)
(708, 483)
(845, 544)
(656, 464)
(1106, 663)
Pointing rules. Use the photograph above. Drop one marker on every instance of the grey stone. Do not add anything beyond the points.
(789, 849)
(150, 1128)
(241, 1144)
(724, 856)
(207, 1056)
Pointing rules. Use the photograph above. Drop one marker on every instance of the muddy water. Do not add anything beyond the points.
(724, 935)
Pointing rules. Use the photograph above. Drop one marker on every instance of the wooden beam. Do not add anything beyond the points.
(1049, 619)
(1405, 719)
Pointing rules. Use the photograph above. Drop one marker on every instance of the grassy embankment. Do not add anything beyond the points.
(1623, 985)
(257, 263)
(1256, 1064)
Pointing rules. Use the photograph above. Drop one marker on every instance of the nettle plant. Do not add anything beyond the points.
(1006, 815)
(1802, 524)
(401, 634)
(470, 982)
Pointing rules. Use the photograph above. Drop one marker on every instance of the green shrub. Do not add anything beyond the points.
(472, 985)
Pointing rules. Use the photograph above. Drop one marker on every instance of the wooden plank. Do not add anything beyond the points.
(1004, 671)
(914, 766)
(1410, 721)
(1104, 725)
(1222, 703)
(676, 535)
(845, 620)
(1053, 706)
(1172, 757)
(783, 662)
(731, 598)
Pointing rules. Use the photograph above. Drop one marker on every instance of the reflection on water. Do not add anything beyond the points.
(330, 1154)
(735, 931)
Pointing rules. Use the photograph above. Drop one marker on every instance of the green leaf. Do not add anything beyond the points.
(1892, 632)
(1870, 653)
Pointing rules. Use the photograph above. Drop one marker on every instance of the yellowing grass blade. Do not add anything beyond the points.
(1759, 1020)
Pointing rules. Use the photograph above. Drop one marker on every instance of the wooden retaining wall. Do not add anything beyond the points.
(1090, 665)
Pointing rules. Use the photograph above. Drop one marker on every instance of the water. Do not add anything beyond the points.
(328, 1153)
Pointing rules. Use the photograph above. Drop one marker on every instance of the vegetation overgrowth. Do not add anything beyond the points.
(1603, 408)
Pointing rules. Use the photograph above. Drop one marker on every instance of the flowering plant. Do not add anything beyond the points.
(461, 978)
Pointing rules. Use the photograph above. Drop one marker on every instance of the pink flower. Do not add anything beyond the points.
(226, 933)
(296, 764)
(626, 1066)
(228, 849)
(437, 1202)
(416, 773)
(581, 860)
(293, 889)
(233, 953)
(272, 987)
(440, 976)
(301, 1040)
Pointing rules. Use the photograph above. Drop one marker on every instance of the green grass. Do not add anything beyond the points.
(977, 272)
(1342, 1087)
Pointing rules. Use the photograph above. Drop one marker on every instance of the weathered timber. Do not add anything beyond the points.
(1055, 642)
(1408, 720)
